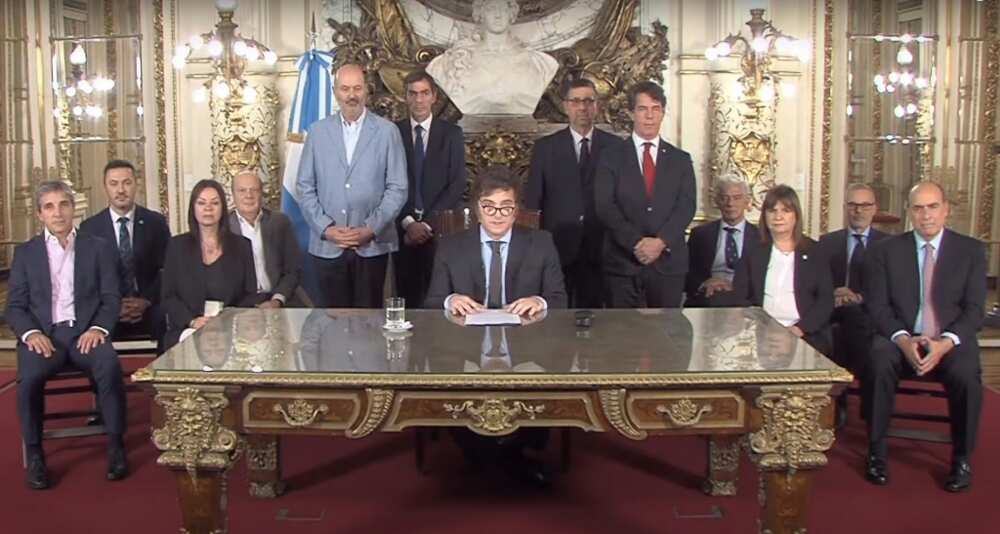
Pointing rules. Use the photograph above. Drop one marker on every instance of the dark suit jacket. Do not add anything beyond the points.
(184, 280)
(892, 285)
(444, 167)
(702, 247)
(812, 285)
(532, 268)
(282, 256)
(565, 195)
(149, 245)
(96, 296)
(834, 247)
(629, 216)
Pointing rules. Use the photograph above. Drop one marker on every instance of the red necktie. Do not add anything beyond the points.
(648, 168)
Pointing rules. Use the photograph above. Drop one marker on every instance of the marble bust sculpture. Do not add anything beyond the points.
(493, 73)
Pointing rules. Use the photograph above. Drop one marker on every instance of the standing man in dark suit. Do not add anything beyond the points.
(845, 248)
(561, 185)
(141, 236)
(277, 259)
(497, 265)
(63, 304)
(435, 152)
(645, 196)
(352, 185)
(716, 248)
(925, 290)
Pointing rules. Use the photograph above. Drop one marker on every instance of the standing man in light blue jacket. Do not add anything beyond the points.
(351, 186)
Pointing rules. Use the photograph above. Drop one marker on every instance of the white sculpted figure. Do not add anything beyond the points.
(493, 73)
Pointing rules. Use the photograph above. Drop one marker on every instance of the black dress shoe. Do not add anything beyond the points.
(876, 471)
(36, 477)
(526, 470)
(841, 413)
(117, 465)
(960, 478)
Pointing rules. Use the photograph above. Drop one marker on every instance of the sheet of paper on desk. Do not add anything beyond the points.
(491, 317)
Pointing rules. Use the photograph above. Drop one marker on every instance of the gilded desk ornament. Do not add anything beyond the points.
(379, 403)
(684, 412)
(791, 436)
(193, 435)
(613, 404)
(263, 457)
(493, 416)
(300, 412)
(722, 457)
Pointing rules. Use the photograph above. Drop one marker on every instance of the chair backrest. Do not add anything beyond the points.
(450, 222)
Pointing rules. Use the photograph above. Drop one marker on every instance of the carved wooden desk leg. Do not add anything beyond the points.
(793, 431)
(723, 465)
(264, 466)
(195, 444)
(202, 500)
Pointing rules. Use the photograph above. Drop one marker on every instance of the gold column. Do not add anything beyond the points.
(824, 183)
(878, 149)
(112, 68)
(161, 112)
(991, 75)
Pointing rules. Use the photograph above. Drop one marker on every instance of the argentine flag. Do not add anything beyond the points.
(313, 101)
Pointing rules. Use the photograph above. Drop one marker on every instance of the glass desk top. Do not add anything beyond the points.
(637, 347)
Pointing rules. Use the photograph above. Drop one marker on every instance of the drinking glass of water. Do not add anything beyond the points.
(395, 313)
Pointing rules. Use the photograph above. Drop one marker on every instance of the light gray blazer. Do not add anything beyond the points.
(369, 192)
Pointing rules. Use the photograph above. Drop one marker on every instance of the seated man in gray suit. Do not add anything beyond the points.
(277, 259)
(352, 185)
(63, 305)
(496, 265)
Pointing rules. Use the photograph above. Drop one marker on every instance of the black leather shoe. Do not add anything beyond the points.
(841, 414)
(526, 470)
(960, 478)
(876, 471)
(117, 464)
(36, 477)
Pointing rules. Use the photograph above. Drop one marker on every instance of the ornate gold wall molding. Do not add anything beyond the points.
(243, 137)
(827, 131)
(159, 83)
(743, 143)
(991, 72)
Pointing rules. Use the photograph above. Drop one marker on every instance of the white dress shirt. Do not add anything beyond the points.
(130, 225)
(426, 125)
(352, 132)
(719, 267)
(253, 232)
(577, 138)
(639, 149)
(779, 287)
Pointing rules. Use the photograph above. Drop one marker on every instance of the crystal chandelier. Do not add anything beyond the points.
(81, 89)
(759, 84)
(229, 52)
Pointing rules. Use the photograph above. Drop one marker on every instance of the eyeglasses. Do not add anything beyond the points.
(860, 205)
(579, 101)
(491, 210)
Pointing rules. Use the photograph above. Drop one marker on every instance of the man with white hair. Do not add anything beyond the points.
(717, 247)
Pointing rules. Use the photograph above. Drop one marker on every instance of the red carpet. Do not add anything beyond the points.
(615, 485)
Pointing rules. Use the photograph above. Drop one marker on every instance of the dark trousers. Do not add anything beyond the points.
(412, 267)
(959, 372)
(351, 281)
(852, 338)
(646, 289)
(584, 283)
(34, 370)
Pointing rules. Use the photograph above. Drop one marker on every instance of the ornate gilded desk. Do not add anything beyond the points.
(732, 374)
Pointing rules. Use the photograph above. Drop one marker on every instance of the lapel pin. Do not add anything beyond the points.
(805, 257)
(141, 221)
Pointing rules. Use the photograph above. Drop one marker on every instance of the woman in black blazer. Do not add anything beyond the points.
(786, 276)
(207, 263)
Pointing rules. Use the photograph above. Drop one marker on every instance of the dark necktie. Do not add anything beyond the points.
(125, 253)
(854, 276)
(495, 299)
(732, 253)
(648, 169)
(418, 168)
(584, 156)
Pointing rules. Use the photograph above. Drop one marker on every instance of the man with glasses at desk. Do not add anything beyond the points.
(497, 265)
